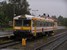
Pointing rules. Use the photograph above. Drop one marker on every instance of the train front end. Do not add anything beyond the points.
(21, 26)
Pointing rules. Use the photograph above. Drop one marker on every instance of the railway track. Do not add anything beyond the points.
(36, 45)
(6, 41)
(11, 43)
(53, 43)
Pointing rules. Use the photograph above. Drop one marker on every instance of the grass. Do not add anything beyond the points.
(8, 28)
(4, 29)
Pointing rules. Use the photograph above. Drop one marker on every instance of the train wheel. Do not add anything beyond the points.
(46, 33)
(51, 33)
(17, 36)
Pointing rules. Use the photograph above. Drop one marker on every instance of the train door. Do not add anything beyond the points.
(34, 27)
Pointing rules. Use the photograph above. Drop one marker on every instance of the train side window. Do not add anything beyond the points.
(46, 23)
(40, 24)
(50, 23)
(53, 24)
(35, 23)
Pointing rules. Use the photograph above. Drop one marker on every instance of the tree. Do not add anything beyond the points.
(20, 7)
(2, 13)
(65, 22)
(54, 17)
(7, 10)
(60, 20)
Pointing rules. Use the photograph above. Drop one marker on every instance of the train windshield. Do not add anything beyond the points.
(22, 22)
(26, 22)
(18, 22)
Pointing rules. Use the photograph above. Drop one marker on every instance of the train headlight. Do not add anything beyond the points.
(17, 27)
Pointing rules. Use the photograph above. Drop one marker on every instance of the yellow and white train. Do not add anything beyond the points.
(27, 25)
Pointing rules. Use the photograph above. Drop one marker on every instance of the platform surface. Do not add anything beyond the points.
(6, 33)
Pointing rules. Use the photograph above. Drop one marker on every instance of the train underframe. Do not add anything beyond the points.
(27, 34)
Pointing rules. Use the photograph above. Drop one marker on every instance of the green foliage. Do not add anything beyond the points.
(65, 22)
(54, 17)
(7, 11)
(20, 7)
(62, 21)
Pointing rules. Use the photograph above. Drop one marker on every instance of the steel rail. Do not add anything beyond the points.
(9, 44)
(57, 36)
(54, 43)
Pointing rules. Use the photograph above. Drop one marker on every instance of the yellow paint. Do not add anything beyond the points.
(21, 28)
(17, 28)
(26, 28)
(23, 42)
(31, 25)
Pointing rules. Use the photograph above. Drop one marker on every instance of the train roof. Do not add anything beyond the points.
(33, 17)
(26, 16)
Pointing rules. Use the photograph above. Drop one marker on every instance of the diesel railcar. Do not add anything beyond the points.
(27, 25)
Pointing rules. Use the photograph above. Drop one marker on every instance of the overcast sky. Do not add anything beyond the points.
(0, 0)
(51, 7)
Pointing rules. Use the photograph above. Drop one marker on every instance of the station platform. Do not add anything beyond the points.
(6, 34)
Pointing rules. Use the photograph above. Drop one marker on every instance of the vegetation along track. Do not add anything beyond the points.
(51, 45)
